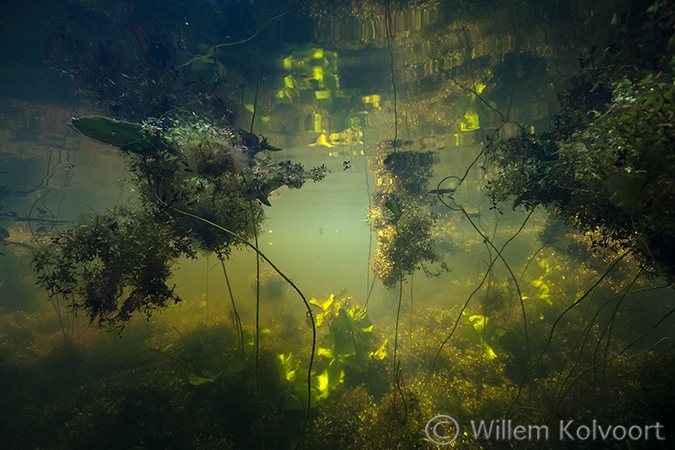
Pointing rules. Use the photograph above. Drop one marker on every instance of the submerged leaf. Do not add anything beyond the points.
(328, 381)
(484, 334)
(289, 366)
(394, 208)
(197, 380)
(338, 344)
(109, 131)
(381, 352)
(323, 304)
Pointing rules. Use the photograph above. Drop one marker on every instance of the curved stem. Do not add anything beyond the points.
(243, 41)
(595, 366)
(310, 314)
(237, 319)
(508, 267)
(550, 337)
(466, 304)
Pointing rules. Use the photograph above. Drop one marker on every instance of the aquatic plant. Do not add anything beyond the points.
(348, 350)
(105, 267)
(606, 167)
(480, 330)
(399, 216)
(189, 179)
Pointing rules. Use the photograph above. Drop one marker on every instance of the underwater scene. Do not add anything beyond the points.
(314, 224)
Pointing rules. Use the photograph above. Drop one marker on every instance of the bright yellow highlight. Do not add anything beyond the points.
(322, 141)
(322, 95)
(372, 100)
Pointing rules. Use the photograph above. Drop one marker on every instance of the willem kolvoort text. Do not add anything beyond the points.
(505, 430)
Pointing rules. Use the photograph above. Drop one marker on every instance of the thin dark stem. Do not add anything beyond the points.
(370, 291)
(57, 309)
(310, 314)
(369, 287)
(387, 23)
(466, 304)
(257, 301)
(398, 318)
(550, 337)
(412, 297)
(508, 267)
(595, 366)
(237, 320)
(255, 102)
(257, 257)
(207, 289)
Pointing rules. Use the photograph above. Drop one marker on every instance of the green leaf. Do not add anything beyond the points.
(327, 381)
(338, 344)
(289, 366)
(197, 380)
(109, 131)
(297, 400)
(235, 366)
(483, 334)
(381, 352)
(394, 208)
(323, 304)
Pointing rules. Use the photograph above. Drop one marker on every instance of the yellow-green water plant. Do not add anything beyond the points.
(200, 188)
(486, 275)
(541, 285)
(607, 167)
(302, 396)
(481, 331)
(348, 352)
(350, 341)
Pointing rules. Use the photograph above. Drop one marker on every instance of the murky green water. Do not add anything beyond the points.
(424, 304)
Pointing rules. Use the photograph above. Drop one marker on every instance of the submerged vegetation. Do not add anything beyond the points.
(607, 167)
(400, 218)
(539, 321)
(188, 178)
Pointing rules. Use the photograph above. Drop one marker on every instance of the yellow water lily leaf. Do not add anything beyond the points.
(470, 121)
(323, 304)
(381, 352)
(322, 141)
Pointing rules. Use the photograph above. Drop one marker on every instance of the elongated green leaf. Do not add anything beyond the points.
(289, 366)
(394, 208)
(197, 380)
(109, 131)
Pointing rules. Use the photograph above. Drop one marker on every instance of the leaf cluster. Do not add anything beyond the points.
(206, 171)
(608, 165)
(112, 265)
(349, 348)
(118, 263)
(400, 218)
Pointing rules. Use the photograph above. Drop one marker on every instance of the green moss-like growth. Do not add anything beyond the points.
(399, 216)
(112, 265)
(608, 165)
(189, 177)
